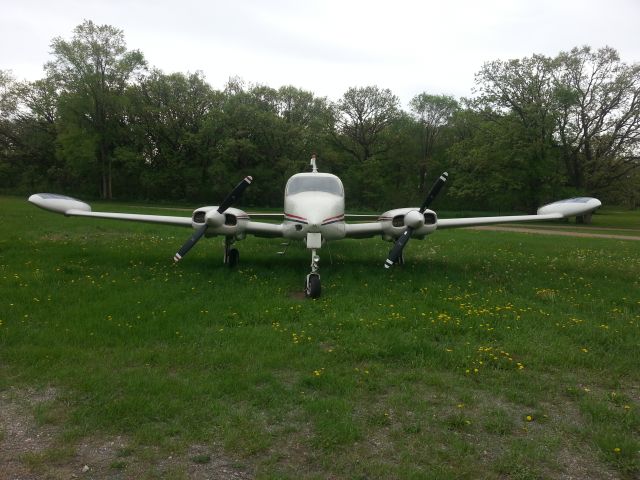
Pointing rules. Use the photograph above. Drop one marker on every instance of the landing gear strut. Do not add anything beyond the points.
(312, 288)
(231, 255)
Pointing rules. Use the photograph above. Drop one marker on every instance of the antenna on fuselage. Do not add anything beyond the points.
(314, 167)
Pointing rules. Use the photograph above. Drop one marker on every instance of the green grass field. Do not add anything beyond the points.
(489, 355)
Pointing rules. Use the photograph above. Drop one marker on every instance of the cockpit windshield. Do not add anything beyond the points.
(313, 183)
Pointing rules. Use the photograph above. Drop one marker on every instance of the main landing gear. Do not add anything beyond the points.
(231, 255)
(312, 288)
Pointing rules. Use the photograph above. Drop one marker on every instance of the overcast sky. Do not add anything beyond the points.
(327, 46)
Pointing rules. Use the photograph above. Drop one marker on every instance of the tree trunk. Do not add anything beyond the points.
(422, 172)
(109, 180)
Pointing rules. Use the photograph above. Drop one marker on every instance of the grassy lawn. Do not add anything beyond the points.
(489, 355)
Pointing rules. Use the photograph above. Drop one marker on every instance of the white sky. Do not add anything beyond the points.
(408, 46)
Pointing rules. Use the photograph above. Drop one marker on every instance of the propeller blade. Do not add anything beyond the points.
(398, 247)
(190, 243)
(235, 194)
(435, 189)
(396, 251)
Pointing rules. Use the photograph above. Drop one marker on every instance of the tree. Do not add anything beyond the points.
(599, 116)
(270, 134)
(8, 109)
(171, 118)
(433, 112)
(309, 121)
(519, 96)
(491, 164)
(27, 133)
(38, 132)
(93, 70)
(362, 115)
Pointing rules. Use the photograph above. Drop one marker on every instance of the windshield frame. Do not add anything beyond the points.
(302, 183)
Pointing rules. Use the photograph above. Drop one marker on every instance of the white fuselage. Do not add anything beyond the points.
(314, 203)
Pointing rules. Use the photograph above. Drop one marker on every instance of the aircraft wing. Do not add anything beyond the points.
(385, 226)
(265, 215)
(363, 230)
(72, 207)
(370, 229)
(570, 207)
(473, 221)
(264, 229)
(380, 227)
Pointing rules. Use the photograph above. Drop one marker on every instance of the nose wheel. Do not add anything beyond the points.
(312, 288)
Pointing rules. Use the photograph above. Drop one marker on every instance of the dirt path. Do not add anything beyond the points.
(561, 227)
(563, 233)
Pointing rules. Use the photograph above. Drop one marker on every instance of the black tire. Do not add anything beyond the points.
(313, 287)
(233, 258)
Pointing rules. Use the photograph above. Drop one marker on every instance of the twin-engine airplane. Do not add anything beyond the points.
(313, 213)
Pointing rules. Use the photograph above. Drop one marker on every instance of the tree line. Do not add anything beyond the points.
(102, 123)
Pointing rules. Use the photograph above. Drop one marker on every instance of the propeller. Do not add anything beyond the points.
(398, 247)
(226, 203)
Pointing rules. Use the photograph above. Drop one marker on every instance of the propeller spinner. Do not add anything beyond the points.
(396, 251)
(227, 202)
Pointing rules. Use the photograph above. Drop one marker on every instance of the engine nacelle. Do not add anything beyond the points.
(394, 223)
(231, 223)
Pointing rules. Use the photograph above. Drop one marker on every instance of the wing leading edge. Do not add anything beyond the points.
(72, 207)
(570, 207)
(470, 222)
(561, 209)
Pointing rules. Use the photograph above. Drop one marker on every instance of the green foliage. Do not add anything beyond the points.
(501, 165)
(362, 116)
(598, 116)
(538, 129)
(93, 70)
(433, 113)
(511, 156)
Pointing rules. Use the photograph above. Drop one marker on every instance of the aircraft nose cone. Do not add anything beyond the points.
(314, 224)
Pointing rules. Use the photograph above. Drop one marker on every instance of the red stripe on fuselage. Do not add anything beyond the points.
(295, 218)
(335, 219)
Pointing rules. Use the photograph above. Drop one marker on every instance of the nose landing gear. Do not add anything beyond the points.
(312, 288)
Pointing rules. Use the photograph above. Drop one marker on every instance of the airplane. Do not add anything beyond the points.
(314, 213)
